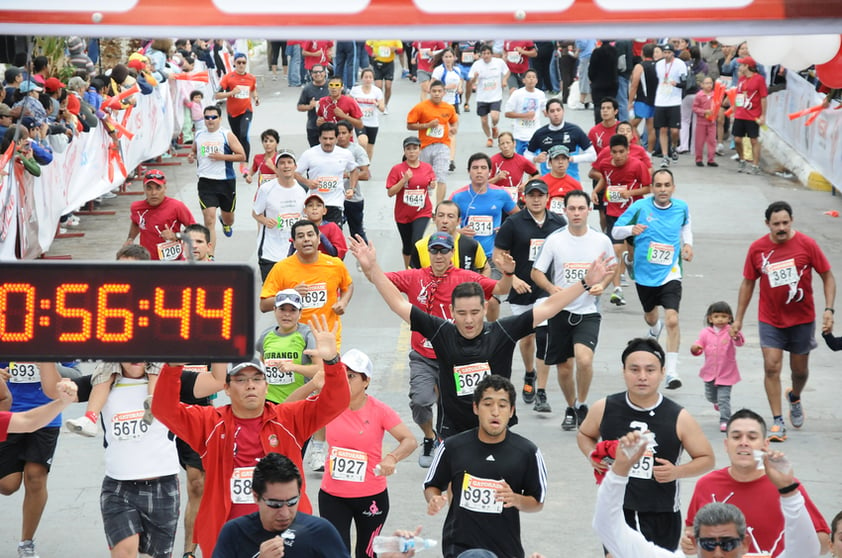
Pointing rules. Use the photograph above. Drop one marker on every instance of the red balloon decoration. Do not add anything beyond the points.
(830, 73)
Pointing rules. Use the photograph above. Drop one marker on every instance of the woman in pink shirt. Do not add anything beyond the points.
(354, 482)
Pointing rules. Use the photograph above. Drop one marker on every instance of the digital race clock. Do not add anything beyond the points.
(126, 311)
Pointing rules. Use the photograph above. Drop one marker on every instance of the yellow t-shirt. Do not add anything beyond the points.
(325, 280)
(384, 51)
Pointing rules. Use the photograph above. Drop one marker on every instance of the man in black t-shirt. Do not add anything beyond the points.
(468, 348)
(497, 475)
(309, 100)
(522, 235)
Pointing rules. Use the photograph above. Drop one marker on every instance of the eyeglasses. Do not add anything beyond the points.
(440, 250)
(155, 176)
(726, 544)
(243, 380)
(278, 504)
(211, 116)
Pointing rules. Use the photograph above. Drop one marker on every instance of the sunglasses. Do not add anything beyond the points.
(288, 299)
(240, 63)
(211, 116)
(317, 71)
(440, 250)
(155, 176)
(335, 84)
(278, 504)
(726, 544)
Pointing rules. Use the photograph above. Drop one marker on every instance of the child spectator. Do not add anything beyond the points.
(719, 371)
(705, 128)
(196, 106)
(263, 165)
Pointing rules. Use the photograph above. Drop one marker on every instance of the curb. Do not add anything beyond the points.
(786, 156)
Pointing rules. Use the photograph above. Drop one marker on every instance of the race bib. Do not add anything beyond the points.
(368, 112)
(426, 54)
(614, 194)
(242, 92)
(208, 148)
(660, 254)
(513, 56)
(414, 198)
(480, 495)
(557, 205)
(467, 376)
(384, 52)
(740, 100)
(287, 220)
(666, 89)
(197, 368)
(275, 374)
(315, 296)
(347, 464)
(128, 425)
(24, 373)
(327, 184)
(575, 271)
(491, 84)
(782, 274)
(527, 123)
(643, 468)
(437, 132)
(535, 245)
(169, 251)
(467, 58)
(483, 225)
(513, 192)
(263, 178)
(241, 485)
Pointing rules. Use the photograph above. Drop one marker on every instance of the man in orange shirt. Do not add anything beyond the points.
(239, 88)
(435, 121)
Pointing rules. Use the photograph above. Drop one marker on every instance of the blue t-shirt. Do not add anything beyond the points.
(28, 395)
(483, 212)
(586, 47)
(657, 252)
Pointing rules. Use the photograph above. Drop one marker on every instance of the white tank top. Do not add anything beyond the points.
(213, 142)
(135, 450)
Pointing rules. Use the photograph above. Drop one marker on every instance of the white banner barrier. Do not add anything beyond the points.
(32, 206)
(820, 143)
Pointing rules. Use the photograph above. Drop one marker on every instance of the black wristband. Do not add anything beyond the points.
(507, 274)
(829, 309)
(334, 360)
(787, 489)
(584, 284)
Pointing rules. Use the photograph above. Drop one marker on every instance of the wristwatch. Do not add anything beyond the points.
(334, 360)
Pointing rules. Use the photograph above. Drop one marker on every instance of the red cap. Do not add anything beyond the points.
(156, 176)
(53, 84)
(748, 61)
(137, 64)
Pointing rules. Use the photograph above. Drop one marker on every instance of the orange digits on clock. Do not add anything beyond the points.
(182, 313)
(28, 319)
(62, 310)
(104, 312)
(223, 314)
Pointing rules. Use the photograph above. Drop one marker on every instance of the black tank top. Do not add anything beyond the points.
(644, 493)
(648, 84)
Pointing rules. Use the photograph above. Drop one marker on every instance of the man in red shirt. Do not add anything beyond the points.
(239, 89)
(158, 219)
(601, 133)
(558, 181)
(749, 112)
(336, 106)
(623, 180)
(783, 260)
(517, 55)
(233, 437)
(430, 289)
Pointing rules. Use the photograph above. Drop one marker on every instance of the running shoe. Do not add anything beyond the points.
(541, 404)
(617, 297)
(529, 387)
(755, 169)
(227, 230)
(713, 164)
(796, 411)
(428, 449)
(623, 281)
(655, 330)
(82, 426)
(777, 433)
(699, 164)
(581, 413)
(673, 381)
(674, 155)
(741, 166)
(489, 142)
(26, 549)
(452, 167)
(720, 149)
(665, 163)
(494, 132)
(317, 459)
(723, 426)
(569, 422)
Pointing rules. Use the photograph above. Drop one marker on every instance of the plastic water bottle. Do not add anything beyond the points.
(400, 544)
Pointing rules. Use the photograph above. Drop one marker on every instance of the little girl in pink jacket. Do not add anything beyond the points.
(719, 371)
